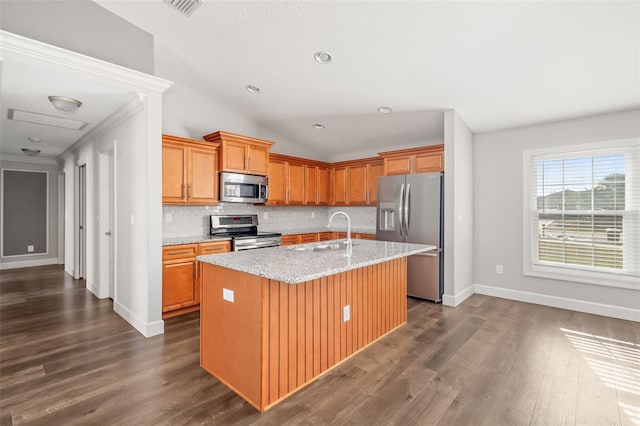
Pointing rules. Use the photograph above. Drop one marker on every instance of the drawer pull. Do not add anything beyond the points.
(179, 252)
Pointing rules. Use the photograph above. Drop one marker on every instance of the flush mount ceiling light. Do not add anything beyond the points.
(36, 140)
(64, 104)
(322, 57)
(31, 152)
(318, 126)
(384, 110)
(252, 89)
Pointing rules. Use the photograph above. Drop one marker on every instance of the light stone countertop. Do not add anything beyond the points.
(193, 239)
(291, 266)
(313, 229)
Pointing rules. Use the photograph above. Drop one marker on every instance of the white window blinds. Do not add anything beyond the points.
(585, 211)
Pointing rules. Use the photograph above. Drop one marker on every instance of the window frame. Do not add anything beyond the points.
(574, 273)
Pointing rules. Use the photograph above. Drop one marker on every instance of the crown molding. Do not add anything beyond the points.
(133, 106)
(13, 44)
(26, 159)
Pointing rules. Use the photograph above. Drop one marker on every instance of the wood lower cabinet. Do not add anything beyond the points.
(322, 236)
(189, 171)
(180, 277)
(242, 154)
(415, 160)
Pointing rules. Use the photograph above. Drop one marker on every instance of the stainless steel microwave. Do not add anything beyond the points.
(240, 188)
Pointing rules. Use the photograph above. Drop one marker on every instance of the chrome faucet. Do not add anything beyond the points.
(348, 241)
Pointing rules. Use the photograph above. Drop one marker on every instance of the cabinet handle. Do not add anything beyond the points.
(246, 163)
(189, 192)
(184, 191)
(173, 253)
(195, 267)
(249, 163)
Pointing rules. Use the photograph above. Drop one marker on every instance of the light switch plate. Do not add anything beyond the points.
(346, 313)
(227, 295)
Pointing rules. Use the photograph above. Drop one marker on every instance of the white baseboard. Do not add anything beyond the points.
(7, 264)
(93, 288)
(457, 299)
(147, 329)
(628, 314)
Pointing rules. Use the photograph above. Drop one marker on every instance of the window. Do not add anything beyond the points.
(582, 213)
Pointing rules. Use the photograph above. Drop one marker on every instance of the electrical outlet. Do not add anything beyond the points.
(168, 217)
(499, 269)
(265, 215)
(346, 313)
(30, 249)
(313, 214)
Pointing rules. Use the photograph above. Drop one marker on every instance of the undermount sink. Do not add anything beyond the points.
(322, 247)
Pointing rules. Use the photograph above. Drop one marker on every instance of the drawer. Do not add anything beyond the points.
(324, 236)
(289, 239)
(213, 248)
(308, 238)
(183, 251)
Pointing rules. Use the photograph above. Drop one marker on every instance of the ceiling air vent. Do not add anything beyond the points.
(186, 7)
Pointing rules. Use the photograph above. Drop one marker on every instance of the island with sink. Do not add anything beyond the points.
(273, 320)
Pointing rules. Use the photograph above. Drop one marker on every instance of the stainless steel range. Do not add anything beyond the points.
(243, 231)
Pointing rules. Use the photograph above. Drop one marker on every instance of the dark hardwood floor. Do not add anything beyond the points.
(66, 358)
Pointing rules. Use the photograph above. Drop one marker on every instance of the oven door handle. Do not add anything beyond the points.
(254, 245)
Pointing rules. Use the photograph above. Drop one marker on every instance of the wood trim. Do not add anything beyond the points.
(357, 162)
(190, 142)
(302, 335)
(297, 160)
(412, 151)
(221, 135)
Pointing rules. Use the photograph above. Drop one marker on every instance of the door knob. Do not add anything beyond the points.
(108, 233)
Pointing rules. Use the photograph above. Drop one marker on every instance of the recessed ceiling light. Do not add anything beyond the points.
(252, 89)
(31, 152)
(64, 104)
(322, 57)
(318, 126)
(31, 139)
(384, 110)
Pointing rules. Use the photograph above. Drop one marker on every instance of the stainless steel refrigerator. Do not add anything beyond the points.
(410, 210)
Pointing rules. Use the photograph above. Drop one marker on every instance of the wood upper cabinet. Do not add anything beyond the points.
(189, 171)
(286, 180)
(180, 276)
(242, 154)
(415, 160)
(339, 186)
(359, 180)
(316, 185)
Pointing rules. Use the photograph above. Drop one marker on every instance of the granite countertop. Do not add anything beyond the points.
(292, 266)
(310, 230)
(194, 239)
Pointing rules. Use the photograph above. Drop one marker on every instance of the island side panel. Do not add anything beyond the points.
(376, 294)
(231, 332)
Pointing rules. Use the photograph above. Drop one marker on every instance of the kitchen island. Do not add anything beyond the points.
(273, 320)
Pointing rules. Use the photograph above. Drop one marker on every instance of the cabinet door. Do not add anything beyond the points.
(339, 197)
(179, 289)
(397, 166)
(425, 163)
(296, 184)
(174, 161)
(310, 185)
(357, 181)
(277, 182)
(308, 238)
(234, 157)
(201, 176)
(325, 236)
(322, 176)
(373, 172)
(214, 247)
(258, 160)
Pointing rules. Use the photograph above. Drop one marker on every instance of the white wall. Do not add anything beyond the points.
(498, 211)
(459, 211)
(51, 257)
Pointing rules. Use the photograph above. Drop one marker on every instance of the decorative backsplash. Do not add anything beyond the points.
(194, 220)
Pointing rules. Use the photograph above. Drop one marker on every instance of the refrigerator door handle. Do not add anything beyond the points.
(406, 210)
(401, 210)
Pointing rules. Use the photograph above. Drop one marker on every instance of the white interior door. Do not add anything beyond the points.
(82, 221)
(112, 236)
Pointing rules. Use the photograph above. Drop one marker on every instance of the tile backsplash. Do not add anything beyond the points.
(180, 221)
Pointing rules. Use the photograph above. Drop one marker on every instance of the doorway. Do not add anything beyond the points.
(82, 222)
(107, 229)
